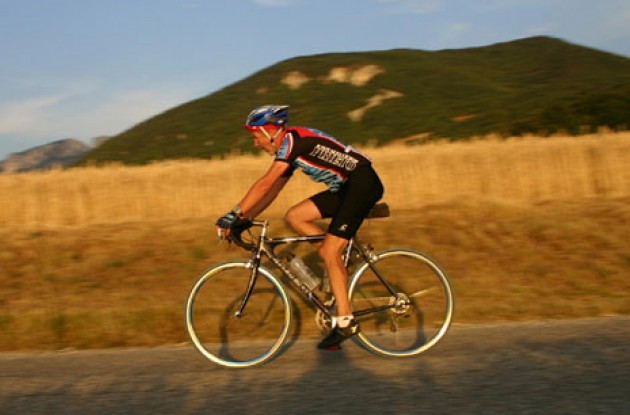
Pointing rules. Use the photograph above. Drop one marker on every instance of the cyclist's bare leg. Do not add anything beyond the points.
(301, 218)
(330, 251)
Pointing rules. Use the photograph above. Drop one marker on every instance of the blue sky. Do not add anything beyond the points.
(86, 68)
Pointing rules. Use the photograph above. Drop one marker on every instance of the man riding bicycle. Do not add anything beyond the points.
(353, 189)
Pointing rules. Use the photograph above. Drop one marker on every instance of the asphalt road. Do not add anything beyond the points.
(559, 367)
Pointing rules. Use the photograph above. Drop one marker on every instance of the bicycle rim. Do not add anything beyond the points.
(232, 341)
(422, 307)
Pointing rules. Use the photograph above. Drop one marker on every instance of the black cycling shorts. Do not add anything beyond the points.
(351, 204)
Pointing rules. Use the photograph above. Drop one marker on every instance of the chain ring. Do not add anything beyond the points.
(324, 322)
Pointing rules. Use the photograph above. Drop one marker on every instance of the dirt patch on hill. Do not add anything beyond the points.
(374, 101)
(359, 77)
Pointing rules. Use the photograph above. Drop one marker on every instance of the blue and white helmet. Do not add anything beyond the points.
(277, 115)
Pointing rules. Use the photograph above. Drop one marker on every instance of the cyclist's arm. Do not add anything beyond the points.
(264, 190)
(268, 198)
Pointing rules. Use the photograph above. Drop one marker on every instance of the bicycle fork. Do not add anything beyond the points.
(254, 263)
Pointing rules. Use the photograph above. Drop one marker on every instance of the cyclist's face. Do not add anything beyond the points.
(262, 141)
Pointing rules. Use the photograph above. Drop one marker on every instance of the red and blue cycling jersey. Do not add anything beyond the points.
(320, 156)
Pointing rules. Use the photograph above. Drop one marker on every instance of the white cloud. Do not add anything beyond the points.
(18, 116)
(35, 112)
(414, 6)
(542, 29)
(124, 109)
(499, 5)
(274, 3)
(83, 115)
(456, 29)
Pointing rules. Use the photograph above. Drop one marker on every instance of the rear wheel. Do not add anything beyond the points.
(238, 341)
(412, 318)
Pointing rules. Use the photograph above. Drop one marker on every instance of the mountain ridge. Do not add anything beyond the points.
(531, 85)
(536, 85)
(56, 154)
(60, 153)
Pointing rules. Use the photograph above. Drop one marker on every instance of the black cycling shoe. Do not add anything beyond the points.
(338, 335)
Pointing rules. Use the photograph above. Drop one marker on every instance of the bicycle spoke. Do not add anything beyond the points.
(371, 299)
(385, 299)
(422, 292)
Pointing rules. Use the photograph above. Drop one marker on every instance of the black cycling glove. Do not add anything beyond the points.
(226, 221)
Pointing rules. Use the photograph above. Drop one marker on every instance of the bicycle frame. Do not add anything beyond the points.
(403, 298)
(266, 246)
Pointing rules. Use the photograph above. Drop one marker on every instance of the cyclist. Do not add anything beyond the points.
(353, 189)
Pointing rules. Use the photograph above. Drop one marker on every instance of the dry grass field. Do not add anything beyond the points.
(521, 171)
(528, 229)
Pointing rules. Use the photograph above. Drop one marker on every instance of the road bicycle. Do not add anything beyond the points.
(240, 314)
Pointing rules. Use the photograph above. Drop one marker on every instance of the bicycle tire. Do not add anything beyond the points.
(425, 303)
(231, 341)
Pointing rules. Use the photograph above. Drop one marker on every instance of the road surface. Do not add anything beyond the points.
(554, 367)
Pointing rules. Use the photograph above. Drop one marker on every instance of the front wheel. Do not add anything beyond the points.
(413, 314)
(238, 340)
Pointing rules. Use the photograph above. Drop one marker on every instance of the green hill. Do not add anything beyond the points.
(537, 84)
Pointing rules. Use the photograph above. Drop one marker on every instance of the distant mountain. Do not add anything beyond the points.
(98, 141)
(533, 85)
(60, 153)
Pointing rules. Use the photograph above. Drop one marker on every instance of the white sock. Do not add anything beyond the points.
(343, 321)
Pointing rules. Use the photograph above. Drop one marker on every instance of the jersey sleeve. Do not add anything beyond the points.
(286, 153)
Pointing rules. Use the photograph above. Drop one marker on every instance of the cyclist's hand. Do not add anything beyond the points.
(225, 223)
